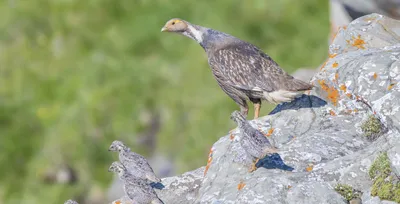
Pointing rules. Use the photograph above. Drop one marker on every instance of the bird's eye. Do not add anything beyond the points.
(173, 23)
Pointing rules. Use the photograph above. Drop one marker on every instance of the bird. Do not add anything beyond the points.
(134, 162)
(242, 70)
(136, 188)
(70, 202)
(252, 140)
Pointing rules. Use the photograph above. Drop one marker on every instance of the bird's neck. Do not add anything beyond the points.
(195, 32)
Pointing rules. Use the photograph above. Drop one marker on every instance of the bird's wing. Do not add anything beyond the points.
(245, 67)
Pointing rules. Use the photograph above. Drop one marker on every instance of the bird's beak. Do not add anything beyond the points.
(164, 29)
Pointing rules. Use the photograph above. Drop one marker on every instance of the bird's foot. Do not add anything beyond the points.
(253, 166)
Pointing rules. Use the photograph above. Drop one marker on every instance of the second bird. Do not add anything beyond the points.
(243, 71)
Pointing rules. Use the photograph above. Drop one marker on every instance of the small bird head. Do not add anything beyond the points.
(175, 25)
(116, 146)
(237, 117)
(70, 202)
(117, 167)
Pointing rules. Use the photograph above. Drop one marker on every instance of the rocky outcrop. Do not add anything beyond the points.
(320, 139)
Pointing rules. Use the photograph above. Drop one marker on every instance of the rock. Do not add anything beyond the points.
(319, 137)
(394, 158)
(181, 189)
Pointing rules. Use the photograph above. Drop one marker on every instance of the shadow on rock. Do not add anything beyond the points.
(305, 101)
(158, 185)
(273, 161)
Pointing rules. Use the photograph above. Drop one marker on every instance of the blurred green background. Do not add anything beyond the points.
(76, 75)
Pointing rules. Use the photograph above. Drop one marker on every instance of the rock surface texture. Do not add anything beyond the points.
(319, 137)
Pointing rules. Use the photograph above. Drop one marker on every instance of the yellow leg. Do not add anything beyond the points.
(253, 166)
(257, 107)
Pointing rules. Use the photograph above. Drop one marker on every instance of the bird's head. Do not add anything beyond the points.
(175, 25)
(117, 167)
(185, 28)
(70, 202)
(237, 117)
(117, 146)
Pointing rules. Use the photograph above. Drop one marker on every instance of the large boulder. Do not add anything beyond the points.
(331, 136)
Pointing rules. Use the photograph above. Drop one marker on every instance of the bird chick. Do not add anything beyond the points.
(242, 70)
(252, 140)
(136, 188)
(135, 163)
(70, 202)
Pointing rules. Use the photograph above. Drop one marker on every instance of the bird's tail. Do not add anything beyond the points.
(299, 85)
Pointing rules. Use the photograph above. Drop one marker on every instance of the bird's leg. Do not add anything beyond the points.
(253, 166)
(244, 110)
(257, 107)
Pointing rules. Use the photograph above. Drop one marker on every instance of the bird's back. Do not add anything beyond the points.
(247, 67)
(138, 189)
(138, 165)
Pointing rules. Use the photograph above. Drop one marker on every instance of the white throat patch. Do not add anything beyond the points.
(198, 36)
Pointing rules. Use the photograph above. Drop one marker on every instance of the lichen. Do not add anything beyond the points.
(385, 185)
(371, 127)
(347, 192)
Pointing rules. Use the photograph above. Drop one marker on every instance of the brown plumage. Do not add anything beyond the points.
(243, 71)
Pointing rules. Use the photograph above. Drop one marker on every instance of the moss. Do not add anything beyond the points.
(385, 185)
(347, 192)
(371, 127)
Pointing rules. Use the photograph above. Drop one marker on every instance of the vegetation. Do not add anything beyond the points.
(75, 75)
(347, 192)
(371, 127)
(385, 184)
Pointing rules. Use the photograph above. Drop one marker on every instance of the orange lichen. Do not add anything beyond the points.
(334, 65)
(375, 75)
(336, 76)
(358, 42)
(332, 113)
(323, 85)
(349, 95)
(208, 161)
(270, 131)
(343, 87)
(332, 55)
(289, 186)
(231, 137)
(118, 202)
(323, 65)
(333, 95)
(391, 86)
(309, 167)
(241, 185)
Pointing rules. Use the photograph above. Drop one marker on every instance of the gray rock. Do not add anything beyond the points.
(394, 158)
(318, 136)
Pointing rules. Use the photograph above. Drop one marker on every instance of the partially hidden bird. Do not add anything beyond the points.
(137, 189)
(134, 162)
(252, 140)
(243, 71)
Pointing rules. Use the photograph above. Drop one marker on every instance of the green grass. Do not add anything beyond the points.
(75, 75)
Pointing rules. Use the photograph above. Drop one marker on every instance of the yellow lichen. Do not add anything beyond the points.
(270, 131)
(358, 42)
(241, 185)
(309, 167)
(343, 87)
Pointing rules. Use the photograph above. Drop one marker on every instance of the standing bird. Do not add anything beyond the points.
(243, 71)
(135, 163)
(252, 140)
(137, 189)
